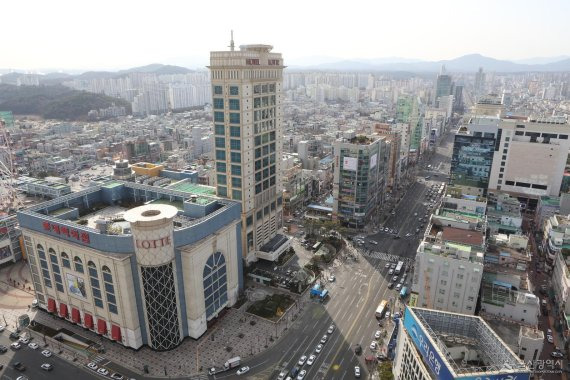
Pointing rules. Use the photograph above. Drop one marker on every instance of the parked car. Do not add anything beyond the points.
(387, 265)
(324, 339)
(557, 354)
(33, 345)
(103, 371)
(92, 366)
(391, 272)
(332, 278)
(311, 359)
(302, 360)
(377, 334)
(331, 329)
(14, 335)
(373, 346)
(550, 339)
(357, 371)
(19, 366)
(319, 348)
(117, 376)
(47, 367)
(242, 370)
(390, 285)
(301, 375)
(46, 353)
(16, 345)
(3, 349)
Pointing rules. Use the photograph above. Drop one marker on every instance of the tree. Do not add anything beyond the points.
(385, 371)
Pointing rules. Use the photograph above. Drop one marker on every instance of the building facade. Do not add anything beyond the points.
(359, 179)
(134, 263)
(248, 118)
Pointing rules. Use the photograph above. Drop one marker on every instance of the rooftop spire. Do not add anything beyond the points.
(232, 41)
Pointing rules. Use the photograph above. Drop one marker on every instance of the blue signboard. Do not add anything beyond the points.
(437, 366)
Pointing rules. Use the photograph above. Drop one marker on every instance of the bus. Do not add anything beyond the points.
(404, 292)
(317, 246)
(381, 309)
(399, 267)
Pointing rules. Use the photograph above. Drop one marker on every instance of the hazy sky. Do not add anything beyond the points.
(105, 34)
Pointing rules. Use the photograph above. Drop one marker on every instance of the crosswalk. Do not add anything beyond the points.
(386, 256)
(99, 359)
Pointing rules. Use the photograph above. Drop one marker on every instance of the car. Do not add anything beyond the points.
(19, 366)
(103, 371)
(294, 371)
(386, 229)
(396, 315)
(356, 371)
(391, 272)
(373, 346)
(319, 348)
(408, 234)
(415, 214)
(402, 280)
(14, 336)
(24, 340)
(281, 375)
(331, 329)
(212, 371)
(417, 230)
(358, 349)
(427, 177)
(550, 339)
(548, 332)
(395, 278)
(332, 278)
(311, 359)
(396, 236)
(33, 345)
(302, 360)
(92, 366)
(324, 339)
(390, 285)
(16, 345)
(47, 367)
(557, 354)
(3, 349)
(381, 357)
(46, 353)
(387, 266)
(2, 328)
(377, 334)
(393, 266)
(22, 378)
(242, 370)
(387, 315)
(117, 376)
(301, 375)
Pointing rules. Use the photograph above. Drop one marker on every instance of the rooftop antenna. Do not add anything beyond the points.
(232, 41)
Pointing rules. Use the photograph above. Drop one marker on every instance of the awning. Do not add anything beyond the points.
(101, 326)
(115, 332)
(88, 320)
(63, 310)
(51, 305)
(75, 316)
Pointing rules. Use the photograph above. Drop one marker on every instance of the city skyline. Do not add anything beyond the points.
(168, 35)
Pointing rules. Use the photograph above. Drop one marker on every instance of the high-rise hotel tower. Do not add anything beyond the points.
(248, 117)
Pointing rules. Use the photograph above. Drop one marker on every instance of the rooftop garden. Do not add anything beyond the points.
(361, 139)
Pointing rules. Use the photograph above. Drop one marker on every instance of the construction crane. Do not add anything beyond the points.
(9, 199)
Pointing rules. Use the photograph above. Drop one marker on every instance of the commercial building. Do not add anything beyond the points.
(10, 240)
(248, 118)
(546, 141)
(135, 263)
(359, 179)
(441, 345)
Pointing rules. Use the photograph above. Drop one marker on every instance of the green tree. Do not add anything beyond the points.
(385, 371)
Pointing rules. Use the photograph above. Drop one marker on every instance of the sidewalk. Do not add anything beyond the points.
(16, 294)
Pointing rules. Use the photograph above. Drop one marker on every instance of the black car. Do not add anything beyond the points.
(3, 349)
(294, 371)
(390, 285)
(14, 336)
(358, 349)
(19, 366)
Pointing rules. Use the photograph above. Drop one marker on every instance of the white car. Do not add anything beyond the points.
(16, 345)
(302, 360)
(24, 340)
(387, 315)
(548, 332)
(103, 371)
(332, 278)
(391, 272)
(301, 375)
(319, 348)
(377, 334)
(324, 339)
(356, 371)
(47, 367)
(117, 376)
(373, 346)
(93, 366)
(550, 339)
(33, 345)
(46, 353)
(387, 265)
(398, 287)
(331, 329)
(311, 360)
(242, 370)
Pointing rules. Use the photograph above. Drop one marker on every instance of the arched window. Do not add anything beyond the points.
(95, 285)
(215, 284)
(44, 265)
(65, 260)
(78, 264)
(55, 269)
(109, 289)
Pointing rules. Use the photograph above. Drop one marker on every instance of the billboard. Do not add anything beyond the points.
(373, 160)
(349, 163)
(76, 286)
(433, 359)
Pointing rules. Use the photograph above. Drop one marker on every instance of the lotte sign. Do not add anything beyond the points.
(156, 243)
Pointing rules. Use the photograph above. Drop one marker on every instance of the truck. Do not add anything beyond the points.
(399, 267)
(319, 291)
(232, 363)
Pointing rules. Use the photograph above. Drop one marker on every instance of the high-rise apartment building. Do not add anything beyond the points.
(443, 86)
(359, 179)
(248, 117)
(479, 82)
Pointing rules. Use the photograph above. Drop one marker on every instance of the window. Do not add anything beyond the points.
(219, 117)
(222, 191)
(235, 144)
(234, 90)
(78, 264)
(258, 188)
(519, 133)
(44, 265)
(214, 280)
(218, 103)
(221, 167)
(257, 152)
(221, 179)
(236, 182)
(280, 201)
(259, 215)
(442, 291)
(257, 140)
(55, 269)
(271, 136)
(502, 170)
(220, 154)
(220, 142)
(95, 285)
(235, 157)
(65, 260)
(218, 90)
(235, 131)
(219, 129)
(501, 175)
(563, 137)
(510, 183)
(234, 104)
(236, 195)
(503, 163)
(109, 290)
(505, 151)
(234, 118)
(249, 220)
(236, 169)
